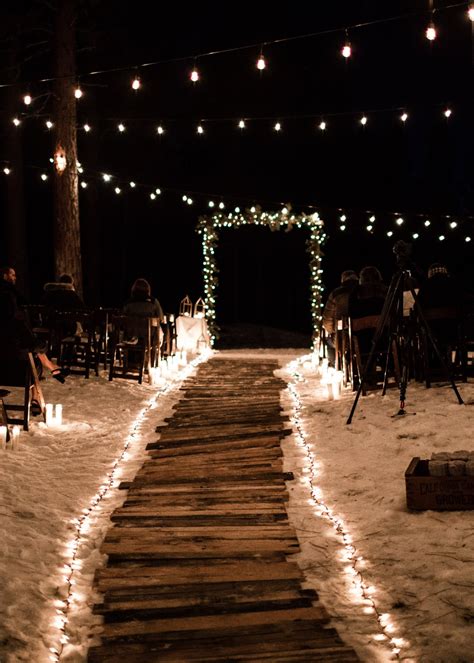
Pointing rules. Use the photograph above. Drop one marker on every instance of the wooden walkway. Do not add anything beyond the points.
(198, 566)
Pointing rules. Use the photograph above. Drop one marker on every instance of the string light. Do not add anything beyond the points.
(7, 170)
(404, 117)
(363, 592)
(16, 122)
(372, 219)
(415, 235)
(44, 177)
(132, 185)
(467, 239)
(322, 125)
(189, 201)
(27, 99)
(159, 130)
(136, 83)
(78, 93)
(343, 217)
(211, 203)
(390, 233)
(194, 75)
(431, 32)
(158, 192)
(261, 64)
(49, 124)
(121, 127)
(87, 128)
(343, 227)
(106, 177)
(448, 112)
(470, 13)
(118, 190)
(363, 120)
(277, 126)
(400, 221)
(200, 129)
(441, 238)
(153, 196)
(83, 523)
(84, 185)
(453, 225)
(241, 124)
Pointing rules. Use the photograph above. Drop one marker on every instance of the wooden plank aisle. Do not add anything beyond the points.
(198, 566)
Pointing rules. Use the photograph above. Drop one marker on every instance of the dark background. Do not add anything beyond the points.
(421, 169)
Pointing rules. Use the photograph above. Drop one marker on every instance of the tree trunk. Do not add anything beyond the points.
(67, 240)
(15, 238)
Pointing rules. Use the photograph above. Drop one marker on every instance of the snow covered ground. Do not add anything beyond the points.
(417, 569)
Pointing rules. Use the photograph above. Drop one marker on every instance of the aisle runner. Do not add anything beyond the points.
(198, 567)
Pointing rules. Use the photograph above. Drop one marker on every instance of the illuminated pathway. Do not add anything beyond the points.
(199, 565)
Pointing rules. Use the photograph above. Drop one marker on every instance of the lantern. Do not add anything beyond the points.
(199, 308)
(186, 307)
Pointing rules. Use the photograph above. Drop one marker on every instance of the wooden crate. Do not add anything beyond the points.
(437, 493)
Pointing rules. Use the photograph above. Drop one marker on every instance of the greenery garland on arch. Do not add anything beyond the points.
(209, 226)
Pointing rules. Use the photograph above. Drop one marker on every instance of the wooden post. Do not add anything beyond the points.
(67, 241)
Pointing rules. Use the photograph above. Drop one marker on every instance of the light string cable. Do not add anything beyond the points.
(253, 204)
(82, 524)
(363, 591)
(257, 45)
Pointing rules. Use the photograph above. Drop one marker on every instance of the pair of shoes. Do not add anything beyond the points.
(60, 374)
(35, 407)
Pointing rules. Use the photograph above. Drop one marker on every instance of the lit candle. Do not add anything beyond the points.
(49, 414)
(58, 416)
(15, 436)
(3, 437)
(337, 384)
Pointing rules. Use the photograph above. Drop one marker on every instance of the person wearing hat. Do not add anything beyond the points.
(337, 308)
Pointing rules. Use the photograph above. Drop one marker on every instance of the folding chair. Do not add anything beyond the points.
(133, 346)
(446, 326)
(75, 334)
(21, 372)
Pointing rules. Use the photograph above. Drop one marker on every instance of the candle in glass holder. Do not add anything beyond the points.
(15, 437)
(58, 415)
(49, 414)
(3, 437)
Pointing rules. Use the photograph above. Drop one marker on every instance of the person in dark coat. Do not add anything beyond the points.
(337, 308)
(8, 284)
(61, 295)
(366, 300)
(441, 292)
(142, 305)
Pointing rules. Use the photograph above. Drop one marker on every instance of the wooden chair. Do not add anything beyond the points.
(75, 335)
(102, 328)
(446, 326)
(134, 346)
(361, 332)
(21, 372)
(39, 319)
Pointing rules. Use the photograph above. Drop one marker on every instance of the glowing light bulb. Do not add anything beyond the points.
(84, 185)
(27, 99)
(431, 32)
(136, 83)
(153, 196)
(44, 177)
(448, 112)
(390, 233)
(211, 203)
(343, 227)
(221, 205)
(343, 217)
(261, 64)
(87, 128)
(427, 223)
(184, 198)
(194, 75)
(16, 122)
(7, 171)
(132, 185)
(470, 13)
(78, 92)
(404, 117)
(400, 221)
(106, 177)
(200, 129)
(49, 124)
(441, 238)
(372, 219)
(277, 126)
(322, 125)
(363, 120)
(346, 51)
(415, 235)
(189, 201)
(467, 239)
(158, 192)
(121, 128)
(370, 228)
(241, 124)
(118, 190)
(453, 225)
(159, 130)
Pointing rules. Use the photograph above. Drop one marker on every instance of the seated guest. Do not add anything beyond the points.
(8, 284)
(440, 291)
(366, 300)
(61, 295)
(337, 308)
(142, 305)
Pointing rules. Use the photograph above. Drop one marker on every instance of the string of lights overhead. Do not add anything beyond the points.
(275, 123)
(262, 62)
(390, 223)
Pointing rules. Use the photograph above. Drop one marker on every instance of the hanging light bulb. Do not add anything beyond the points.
(427, 223)
(415, 235)
(118, 190)
(346, 50)
(194, 75)
(431, 32)
(372, 219)
(7, 170)
(136, 83)
(241, 124)
(453, 225)
(363, 120)
(322, 125)
(400, 221)
(200, 129)
(152, 196)
(470, 13)
(467, 239)
(49, 124)
(404, 117)
(277, 126)
(189, 201)
(84, 185)
(158, 192)
(261, 64)
(448, 112)
(184, 198)
(159, 130)
(87, 128)
(390, 233)
(441, 238)
(121, 127)
(211, 203)
(106, 177)
(78, 92)
(343, 218)
(221, 205)
(27, 99)
(132, 185)
(16, 122)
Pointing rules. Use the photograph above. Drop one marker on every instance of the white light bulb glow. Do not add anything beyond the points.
(121, 127)
(27, 99)
(118, 190)
(84, 185)
(404, 117)
(277, 126)
(132, 185)
(363, 120)
(44, 177)
(78, 93)
(322, 125)
(390, 233)
(200, 129)
(106, 177)
(194, 75)
(448, 112)
(431, 32)
(346, 51)
(261, 64)
(241, 124)
(136, 83)
(16, 122)
(159, 130)
(427, 223)
(470, 13)
(7, 170)
(49, 124)
(400, 221)
(87, 128)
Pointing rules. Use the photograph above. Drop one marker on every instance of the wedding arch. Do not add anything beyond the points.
(209, 227)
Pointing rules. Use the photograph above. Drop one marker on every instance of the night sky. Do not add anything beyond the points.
(421, 167)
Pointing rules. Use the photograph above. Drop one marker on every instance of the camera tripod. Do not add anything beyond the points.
(391, 318)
